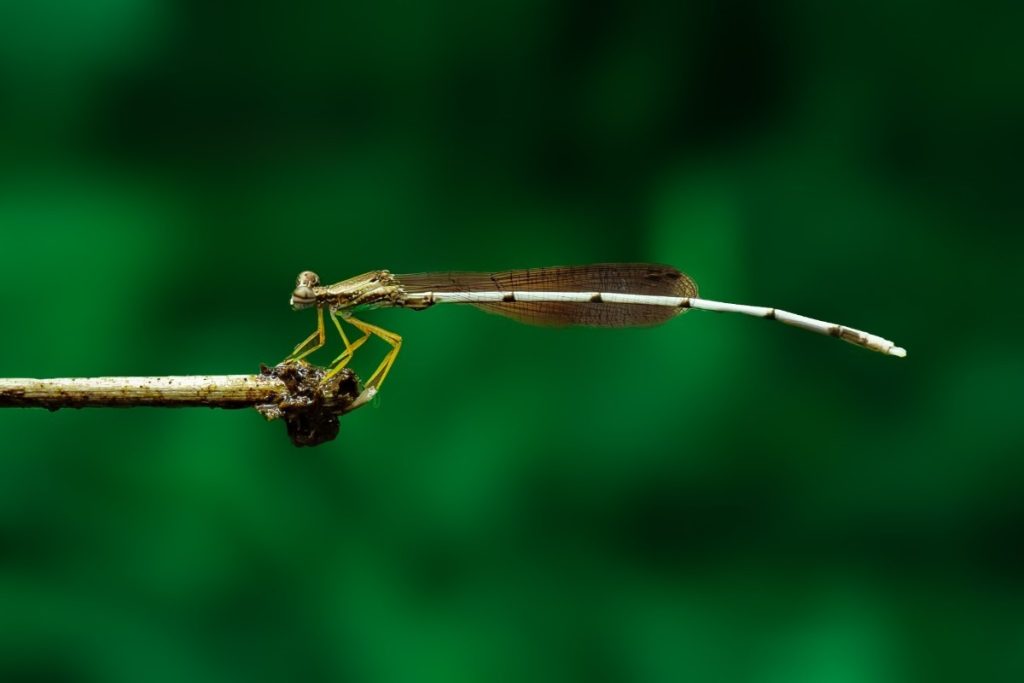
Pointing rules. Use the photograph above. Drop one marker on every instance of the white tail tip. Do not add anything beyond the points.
(898, 351)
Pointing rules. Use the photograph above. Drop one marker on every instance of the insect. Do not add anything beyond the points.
(598, 295)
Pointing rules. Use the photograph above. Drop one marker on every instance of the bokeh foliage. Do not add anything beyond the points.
(715, 499)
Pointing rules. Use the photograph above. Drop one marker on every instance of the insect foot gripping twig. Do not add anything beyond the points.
(313, 401)
(299, 393)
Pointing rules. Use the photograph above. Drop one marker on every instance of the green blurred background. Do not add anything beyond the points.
(715, 499)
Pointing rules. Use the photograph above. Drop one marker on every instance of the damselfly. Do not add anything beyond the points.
(600, 295)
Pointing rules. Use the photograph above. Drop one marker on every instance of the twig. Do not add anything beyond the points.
(294, 391)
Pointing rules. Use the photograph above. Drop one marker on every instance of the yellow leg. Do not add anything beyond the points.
(350, 348)
(318, 334)
(378, 376)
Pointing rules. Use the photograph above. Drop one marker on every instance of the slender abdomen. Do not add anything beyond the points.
(618, 278)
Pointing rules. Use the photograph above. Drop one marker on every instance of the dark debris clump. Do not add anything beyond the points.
(313, 404)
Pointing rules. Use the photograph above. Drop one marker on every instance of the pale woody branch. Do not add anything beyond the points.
(294, 391)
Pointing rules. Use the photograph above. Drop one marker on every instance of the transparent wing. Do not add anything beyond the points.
(621, 278)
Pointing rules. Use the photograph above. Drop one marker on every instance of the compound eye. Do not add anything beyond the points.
(307, 278)
(303, 295)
